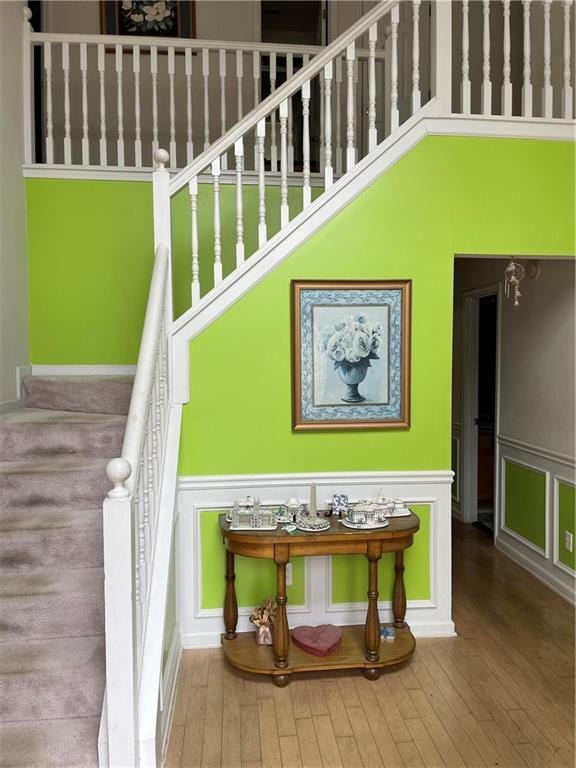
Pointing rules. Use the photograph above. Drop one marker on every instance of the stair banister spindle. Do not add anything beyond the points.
(566, 86)
(506, 71)
(239, 83)
(49, 108)
(260, 139)
(137, 109)
(284, 210)
(350, 106)
(67, 136)
(256, 79)
(273, 146)
(486, 82)
(84, 74)
(465, 87)
(28, 84)
(216, 167)
(222, 72)
(526, 68)
(171, 74)
(289, 73)
(547, 92)
(193, 193)
(119, 105)
(239, 156)
(206, 76)
(306, 191)
(154, 75)
(322, 120)
(188, 75)
(416, 95)
(328, 170)
(103, 149)
(372, 134)
(394, 112)
(338, 80)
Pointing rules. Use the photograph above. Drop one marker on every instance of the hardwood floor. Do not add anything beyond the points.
(500, 694)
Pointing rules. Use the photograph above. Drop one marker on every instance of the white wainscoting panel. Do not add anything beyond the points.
(201, 628)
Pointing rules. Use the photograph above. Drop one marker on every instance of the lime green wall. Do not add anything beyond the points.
(525, 503)
(447, 196)
(255, 579)
(566, 522)
(350, 573)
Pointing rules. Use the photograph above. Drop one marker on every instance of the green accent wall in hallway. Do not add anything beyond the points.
(566, 523)
(525, 503)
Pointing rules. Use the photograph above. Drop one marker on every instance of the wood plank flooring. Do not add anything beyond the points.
(500, 694)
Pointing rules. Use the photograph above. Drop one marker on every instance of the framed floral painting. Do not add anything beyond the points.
(167, 18)
(350, 354)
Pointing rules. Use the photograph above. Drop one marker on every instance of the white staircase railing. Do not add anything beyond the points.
(132, 511)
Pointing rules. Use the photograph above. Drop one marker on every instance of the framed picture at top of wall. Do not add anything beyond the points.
(167, 18)
(350, 354)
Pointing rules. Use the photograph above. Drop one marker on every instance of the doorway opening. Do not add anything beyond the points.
(486, 419)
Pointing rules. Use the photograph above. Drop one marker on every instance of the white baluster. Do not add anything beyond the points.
(465, 87)
(486, 82)
(322, 118)
(171, 73)
(289, 73)
(256, 78)
(350, 107)
(284, 210)
(154, 75)
(217, 222)
(338, 114)
(416, 95)
(328, 170)
(28, 84)
(222, 68)
(239, 155)
(526, 71)
(567, 87)
(137, 110)
(239, 83)
(273, 147)
(372, 133)
(193, 194)
(306, 191)
(206, 76)
(67, 137)
(260, 139)
(119, 106)
(394, 112)
(102, 83)
(547, 92)
(188, 73)
(506, 83)
(49, 109)
(83, 74)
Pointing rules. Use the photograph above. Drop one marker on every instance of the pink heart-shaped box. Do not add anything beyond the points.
(320, 641)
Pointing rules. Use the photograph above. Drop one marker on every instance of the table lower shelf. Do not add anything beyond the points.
(243, 653)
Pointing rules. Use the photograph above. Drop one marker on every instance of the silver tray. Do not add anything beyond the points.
(302, 526)
(253, 527)
(364, 526)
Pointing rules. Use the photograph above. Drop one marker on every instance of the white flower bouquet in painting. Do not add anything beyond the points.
(352, 344)
(146, 17)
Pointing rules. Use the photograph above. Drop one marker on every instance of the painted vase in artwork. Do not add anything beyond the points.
(353, 374)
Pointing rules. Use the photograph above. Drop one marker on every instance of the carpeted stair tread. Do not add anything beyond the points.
(45, 679)
(50, 518)
(73, 538)
(89, 394)
(30, 432)
(69, 743)
(51, 603)
(61, 480)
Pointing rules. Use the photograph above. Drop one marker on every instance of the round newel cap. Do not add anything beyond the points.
(161, 158)
(118, 471)
(27, 13)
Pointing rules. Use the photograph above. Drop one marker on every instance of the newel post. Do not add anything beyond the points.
(27, 85)
(441, 43)
(121, 650)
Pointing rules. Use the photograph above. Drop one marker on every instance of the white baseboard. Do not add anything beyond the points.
(83, 370)
(22, 371)
(9, 405)
(563, 586)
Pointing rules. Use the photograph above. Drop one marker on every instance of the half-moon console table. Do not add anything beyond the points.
(360, 648)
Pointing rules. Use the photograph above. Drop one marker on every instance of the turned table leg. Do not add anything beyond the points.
(230, 602)
(372, 630)
(399, 600)
(281, 633)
